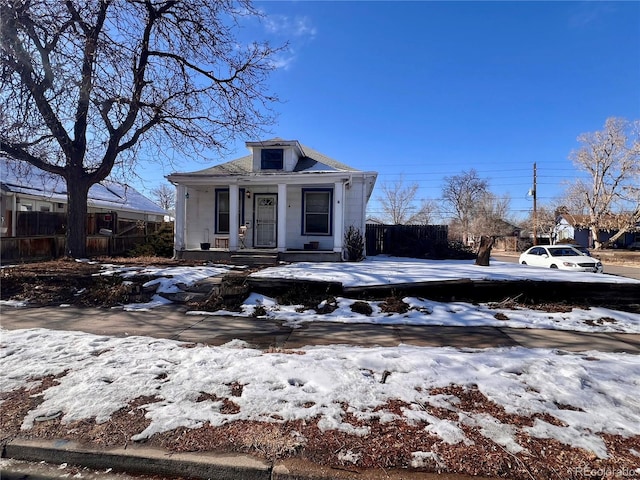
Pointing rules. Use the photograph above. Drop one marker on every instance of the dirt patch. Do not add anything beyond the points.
(390, 443)
(70, 282)
(600, 321)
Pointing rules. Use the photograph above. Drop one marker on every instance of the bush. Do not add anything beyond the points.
(354, 243)
(362, 307)
(159, 244)
(459, 251)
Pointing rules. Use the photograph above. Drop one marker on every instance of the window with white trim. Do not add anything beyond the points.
(222, 210)
(316, 211)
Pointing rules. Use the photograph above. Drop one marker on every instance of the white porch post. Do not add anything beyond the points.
(234, 209)
(338, 216)
(282, 217)
(181, 218)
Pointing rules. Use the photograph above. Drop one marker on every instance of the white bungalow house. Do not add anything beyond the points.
(283, 198)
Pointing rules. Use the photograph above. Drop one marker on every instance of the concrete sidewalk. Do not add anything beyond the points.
(173, 323)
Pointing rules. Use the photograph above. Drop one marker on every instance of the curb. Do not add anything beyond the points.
(205, 465)
(142, 460)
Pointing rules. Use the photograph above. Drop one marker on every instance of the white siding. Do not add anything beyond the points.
(354, 205)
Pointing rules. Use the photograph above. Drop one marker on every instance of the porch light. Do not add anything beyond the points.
(186, 195)
(248, 193)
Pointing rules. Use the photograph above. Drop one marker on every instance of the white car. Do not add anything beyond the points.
(563, 257)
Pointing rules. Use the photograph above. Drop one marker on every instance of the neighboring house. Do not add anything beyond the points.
(284, 198)
(576, 227)
(34, 203)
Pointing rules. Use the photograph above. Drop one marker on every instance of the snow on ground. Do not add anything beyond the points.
(387, 270)
(169, 279)
(458, 314)
(590, 393)
(383, 270)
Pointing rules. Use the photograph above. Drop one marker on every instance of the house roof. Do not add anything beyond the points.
(25, 179)
(575, 220)
(608, 221)
(311, 161)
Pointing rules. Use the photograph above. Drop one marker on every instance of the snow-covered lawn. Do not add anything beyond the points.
(169, 279)
(385, 271)
(458, 314)
(589, 394)
(382, 270)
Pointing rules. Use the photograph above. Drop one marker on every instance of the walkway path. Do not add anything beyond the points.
(172, 323)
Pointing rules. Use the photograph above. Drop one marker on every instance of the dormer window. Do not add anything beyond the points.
(272, 159)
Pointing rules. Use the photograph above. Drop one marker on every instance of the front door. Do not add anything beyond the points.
(266, 220)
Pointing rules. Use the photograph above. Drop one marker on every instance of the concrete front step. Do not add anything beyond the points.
(254, 259)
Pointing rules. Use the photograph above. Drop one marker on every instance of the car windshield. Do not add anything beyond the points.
(563, 252)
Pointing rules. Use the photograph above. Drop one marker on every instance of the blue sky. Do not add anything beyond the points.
(427, 89)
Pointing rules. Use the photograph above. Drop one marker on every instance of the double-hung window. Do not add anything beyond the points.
(316, 211)
(222, 209)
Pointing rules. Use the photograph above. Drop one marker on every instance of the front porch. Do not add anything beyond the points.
(255, 256)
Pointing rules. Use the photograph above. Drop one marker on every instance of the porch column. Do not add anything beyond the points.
(181, 218)
(234, 215)
(338, 216)
(282, 217)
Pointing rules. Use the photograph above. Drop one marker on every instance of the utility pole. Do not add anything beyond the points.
(535, 209)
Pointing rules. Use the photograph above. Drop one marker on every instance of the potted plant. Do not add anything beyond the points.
(206, 245)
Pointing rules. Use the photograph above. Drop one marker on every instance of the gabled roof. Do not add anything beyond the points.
(25, 179)
(312, 161)
(575, 220)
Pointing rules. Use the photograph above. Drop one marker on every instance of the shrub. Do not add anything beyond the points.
(259, 311)
(158, 244)
(354, 243)
(362, 307)
(459, 251)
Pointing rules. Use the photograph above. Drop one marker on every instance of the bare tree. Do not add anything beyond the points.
(490, 216)
(425, 213)
(462, 193)
(165, 196)
(86, 84)
(546, 220)
(611, 194)
(398, 201)
(488, 223)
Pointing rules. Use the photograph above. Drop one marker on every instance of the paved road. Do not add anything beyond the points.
(611, 268)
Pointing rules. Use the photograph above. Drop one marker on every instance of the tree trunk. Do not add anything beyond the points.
(594, 234)
(77, 193)
(484, 252)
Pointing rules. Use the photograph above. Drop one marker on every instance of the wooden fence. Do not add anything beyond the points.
(33, 224)
(418, 241)
(46, 247)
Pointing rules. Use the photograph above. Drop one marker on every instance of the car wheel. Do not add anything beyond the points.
(523, 262)
(553, 266)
